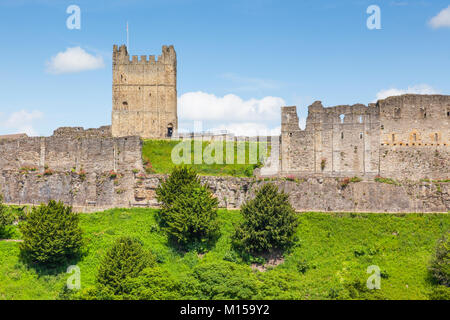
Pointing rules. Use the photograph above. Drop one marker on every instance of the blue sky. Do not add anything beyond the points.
(251, 55)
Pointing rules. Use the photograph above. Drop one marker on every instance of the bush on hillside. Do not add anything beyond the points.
(51, 234)
(181, 178)
(6, 218)
(189, 210)
(152, 284)
(192, 217)
(125, 259)
(269, 222)
(440, 264)
(223, 280)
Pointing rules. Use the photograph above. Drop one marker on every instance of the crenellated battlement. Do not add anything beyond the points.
(121, 56)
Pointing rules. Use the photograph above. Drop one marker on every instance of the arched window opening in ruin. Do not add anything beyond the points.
(436, 137)
(397, 112)
(125, 105)
(342, 117)
(414, 136)
(169, 130)
(360, 135)
(393, 137)
(342, 135)
(360, 119)
(448, 113)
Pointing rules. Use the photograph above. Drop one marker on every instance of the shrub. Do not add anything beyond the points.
(440, 264)
(125, 259)
(192, 216)
(153, 284)
(51, 234)
(6, 218)
(440, 293)
(180, 178)
(269, 222)
(224, 280)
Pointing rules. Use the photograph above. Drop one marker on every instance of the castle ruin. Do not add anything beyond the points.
(144, 100)
(404, 137)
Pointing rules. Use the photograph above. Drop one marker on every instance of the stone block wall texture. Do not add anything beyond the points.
(99, 191)
(93, 150)
(144, 94)
(402, 137)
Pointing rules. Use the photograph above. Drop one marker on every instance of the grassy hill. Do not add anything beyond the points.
(332, 253)
(157, 154)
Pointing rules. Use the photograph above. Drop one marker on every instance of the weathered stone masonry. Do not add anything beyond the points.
(144, 94)
(403, 137)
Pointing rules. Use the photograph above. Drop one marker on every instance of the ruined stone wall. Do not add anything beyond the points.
(144, 94)
(403, 137)
(100, 191)
(91, 150)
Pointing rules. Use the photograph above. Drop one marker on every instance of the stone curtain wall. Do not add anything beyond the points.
(403, 137)
(144, 94)
(100, 191)
(90, 150)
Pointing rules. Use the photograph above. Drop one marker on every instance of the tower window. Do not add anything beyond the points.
(342, 135)
(393, 137)
(360, 119)
(342, 117)
(360, 135)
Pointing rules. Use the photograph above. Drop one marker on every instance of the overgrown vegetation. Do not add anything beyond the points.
(51, 234)
(328, 260)
(6, 218)
(156, 155)
(269, 222)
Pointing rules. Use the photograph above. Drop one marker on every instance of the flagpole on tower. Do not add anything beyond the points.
(128, 39)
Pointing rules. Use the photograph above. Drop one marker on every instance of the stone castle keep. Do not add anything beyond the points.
(406, 138)
(400, 137)
(144, 94)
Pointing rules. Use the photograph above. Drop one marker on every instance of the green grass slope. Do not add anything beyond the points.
(332, 251)
(158, 154)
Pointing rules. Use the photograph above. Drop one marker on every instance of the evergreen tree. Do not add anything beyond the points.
(188, 209)
(51, 234)
(125, 259)
(440, 264)
(269, 222)
(6, 218)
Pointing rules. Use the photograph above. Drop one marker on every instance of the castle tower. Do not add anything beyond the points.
(144, 94)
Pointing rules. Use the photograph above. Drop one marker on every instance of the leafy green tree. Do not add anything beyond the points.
(6, 218)
(51, 234)
(189, 210)
(221, 280)
(269, 222)
(152, 284)
(125, 259)
(440, 264)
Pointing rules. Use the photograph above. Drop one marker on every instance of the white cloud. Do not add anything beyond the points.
(74, 60)
(204, 106)
(231, 113)
(22, 121)
(441, 20)
(417, 89)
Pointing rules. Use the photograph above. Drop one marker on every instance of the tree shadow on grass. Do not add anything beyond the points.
(54, 268)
